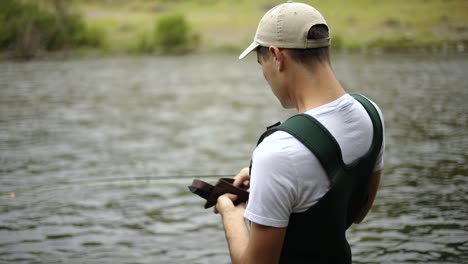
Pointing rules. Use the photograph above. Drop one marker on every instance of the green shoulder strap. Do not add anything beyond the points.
(377, 139)
(318, 139)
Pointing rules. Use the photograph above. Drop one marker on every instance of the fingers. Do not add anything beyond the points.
(242, 177)
(224, 202)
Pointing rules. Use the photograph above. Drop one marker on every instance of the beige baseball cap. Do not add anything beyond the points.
(286, 26)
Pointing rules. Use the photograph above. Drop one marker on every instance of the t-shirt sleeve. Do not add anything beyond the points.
(272, 186)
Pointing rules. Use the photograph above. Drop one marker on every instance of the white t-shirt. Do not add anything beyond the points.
(286, 176)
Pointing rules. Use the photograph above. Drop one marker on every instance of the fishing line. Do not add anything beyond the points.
(58, 185)
(151, 178)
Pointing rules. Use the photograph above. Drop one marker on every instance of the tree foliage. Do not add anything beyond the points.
(172, 34)
(27, 29)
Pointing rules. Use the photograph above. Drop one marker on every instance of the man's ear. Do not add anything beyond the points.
(278, 57)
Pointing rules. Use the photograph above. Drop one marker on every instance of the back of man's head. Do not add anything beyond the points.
(311, 57)
(299, 28)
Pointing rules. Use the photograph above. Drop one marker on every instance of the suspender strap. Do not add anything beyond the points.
(318, 139)
(376, 121)
(315, 137)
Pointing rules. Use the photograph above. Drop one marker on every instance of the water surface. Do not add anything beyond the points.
(92, 152)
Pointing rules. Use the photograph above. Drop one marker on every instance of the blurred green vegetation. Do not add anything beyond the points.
(137, 26)
(229, 25)
(29, 29)
(173, 35)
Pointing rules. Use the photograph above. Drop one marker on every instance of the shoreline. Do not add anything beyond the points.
(76, 54)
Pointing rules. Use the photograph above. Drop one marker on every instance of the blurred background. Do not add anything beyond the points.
(109, 109)
(32, 28)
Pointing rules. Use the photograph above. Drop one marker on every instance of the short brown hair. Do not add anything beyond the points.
(307, 57)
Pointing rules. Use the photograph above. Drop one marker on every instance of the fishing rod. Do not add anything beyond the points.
(161, 179)
(155, 179)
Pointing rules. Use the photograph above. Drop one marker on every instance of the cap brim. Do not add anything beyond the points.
(249, 49)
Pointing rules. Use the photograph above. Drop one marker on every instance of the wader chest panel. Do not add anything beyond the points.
(319, 234)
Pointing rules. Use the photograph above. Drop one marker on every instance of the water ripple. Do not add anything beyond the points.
(78, 137)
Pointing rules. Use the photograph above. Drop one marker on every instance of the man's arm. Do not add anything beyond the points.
(262, 245)
(372, 192)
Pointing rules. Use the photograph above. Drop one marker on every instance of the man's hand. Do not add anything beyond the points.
(226, 204)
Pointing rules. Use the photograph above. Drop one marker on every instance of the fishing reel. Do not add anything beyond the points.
(211, 192)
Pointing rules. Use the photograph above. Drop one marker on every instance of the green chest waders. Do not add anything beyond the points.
(318, 235)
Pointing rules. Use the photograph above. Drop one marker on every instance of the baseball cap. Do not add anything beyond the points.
(286, 26)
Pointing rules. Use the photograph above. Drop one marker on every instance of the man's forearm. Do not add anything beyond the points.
(237, 235)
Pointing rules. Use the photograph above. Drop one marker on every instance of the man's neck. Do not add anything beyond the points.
(310, 90)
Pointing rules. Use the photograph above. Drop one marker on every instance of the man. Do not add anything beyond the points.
(300, 206)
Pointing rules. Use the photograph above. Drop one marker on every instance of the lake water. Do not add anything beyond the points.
(96, 156)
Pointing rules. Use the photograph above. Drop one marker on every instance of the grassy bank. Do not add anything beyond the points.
(230, 25)
(131, 26)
